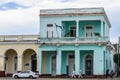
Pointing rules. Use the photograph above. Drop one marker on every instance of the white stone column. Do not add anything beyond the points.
(59, 62)
(19, 64)
(77, 28)
(77, 61)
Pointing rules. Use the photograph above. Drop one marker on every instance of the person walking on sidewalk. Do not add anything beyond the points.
(107, 73)
(73, 73)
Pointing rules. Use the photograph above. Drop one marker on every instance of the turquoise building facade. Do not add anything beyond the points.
(74, 38)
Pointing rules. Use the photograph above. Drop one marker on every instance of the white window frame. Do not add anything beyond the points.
(70, 29)
(49, 25)
(86, 31)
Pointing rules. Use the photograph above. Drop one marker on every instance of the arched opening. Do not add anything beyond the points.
(89, 65)
(10, 62)
(29, 60)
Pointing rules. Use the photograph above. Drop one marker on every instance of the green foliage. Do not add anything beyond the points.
(116, 58)
(97, 34)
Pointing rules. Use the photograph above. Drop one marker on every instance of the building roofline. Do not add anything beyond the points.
(75, 11)
(107, 19)
(70, 11)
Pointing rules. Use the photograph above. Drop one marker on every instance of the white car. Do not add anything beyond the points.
(25, 74)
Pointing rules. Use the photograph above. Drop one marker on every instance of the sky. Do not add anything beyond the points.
(21, 17)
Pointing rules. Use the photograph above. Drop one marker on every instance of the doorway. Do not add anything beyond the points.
(33, 63)
(71, 64)
(53, 65)
(89, 65)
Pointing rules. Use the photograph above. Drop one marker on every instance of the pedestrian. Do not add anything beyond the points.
(73, 73)
(80, 74)
(112, 74)
(107, 73)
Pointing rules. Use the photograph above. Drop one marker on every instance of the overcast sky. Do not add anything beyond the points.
(18, 17)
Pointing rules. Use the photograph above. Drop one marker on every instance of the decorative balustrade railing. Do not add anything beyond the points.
(17, 38)
(74, 40)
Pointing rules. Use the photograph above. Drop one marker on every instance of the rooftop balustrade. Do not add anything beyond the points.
(18, 38)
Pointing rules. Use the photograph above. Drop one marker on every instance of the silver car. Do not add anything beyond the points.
(25, 74)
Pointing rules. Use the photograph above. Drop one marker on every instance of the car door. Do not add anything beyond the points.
(22, 74)
(27, 74)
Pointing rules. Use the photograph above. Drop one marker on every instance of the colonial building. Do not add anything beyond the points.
(69, 39)
(17, 53)
(75, 38)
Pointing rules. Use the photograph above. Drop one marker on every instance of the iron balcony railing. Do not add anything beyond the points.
(74, 40)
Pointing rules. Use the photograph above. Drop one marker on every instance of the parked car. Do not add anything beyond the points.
(25, 74)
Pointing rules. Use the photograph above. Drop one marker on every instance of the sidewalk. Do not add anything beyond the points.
(10, 78)
(79, 79)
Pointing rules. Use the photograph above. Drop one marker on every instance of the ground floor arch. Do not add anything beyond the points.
(10, 65)
(30, 60)
(14, 62)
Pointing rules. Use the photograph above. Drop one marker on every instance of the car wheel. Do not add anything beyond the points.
(31, 77)
(15, 76)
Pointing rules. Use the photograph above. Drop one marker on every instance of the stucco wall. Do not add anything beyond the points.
(19, 48)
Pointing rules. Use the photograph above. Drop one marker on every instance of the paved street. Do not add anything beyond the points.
(9, 78)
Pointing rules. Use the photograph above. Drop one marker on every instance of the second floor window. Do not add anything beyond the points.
(49, 30)
(89, 31)
(72, 31)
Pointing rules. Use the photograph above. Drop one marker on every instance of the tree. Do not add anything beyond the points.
(116, 58)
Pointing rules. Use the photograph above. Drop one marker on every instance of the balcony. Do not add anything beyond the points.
(74, 40)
